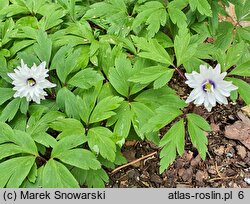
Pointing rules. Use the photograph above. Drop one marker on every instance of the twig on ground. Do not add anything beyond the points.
(222, 178)
(133, 162)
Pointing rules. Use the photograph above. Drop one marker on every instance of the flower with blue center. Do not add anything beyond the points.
(30, 82)
(209, 87)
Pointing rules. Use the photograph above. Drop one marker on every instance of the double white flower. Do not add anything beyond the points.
(30, 82)
(209, 87)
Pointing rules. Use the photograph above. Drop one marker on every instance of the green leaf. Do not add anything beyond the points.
(86, 78)
(113, 12)
(68, 143)
(38, 182)
(87, 102)
(122, 120)
(198, 138)
(80, 158)
(243, 88)
(224, 36)
(202, 6)
(234, 54)
(38, 124)
(67, 127)
(177, 16)
(163, 79)
(158, 97)
(19, 45)
(141, 116)
(24, 106)
(241, 70)
(24, 140)
(119, 75)
(173, 140)
(6, 132)
(51, 19)
(45, 139)
(91, 178)
(56, 175)
(151, 49)
(10, 110)
(149, 74)
(99, 141)
(43, 47)
(163, 116)
(6, 94)
(9, 149)
(65, 62)
(66, 100)
(13, 174)
(33, 174)
(4, 3)
(153, 14)
(103, 109)
(199, 122)
(184, 50)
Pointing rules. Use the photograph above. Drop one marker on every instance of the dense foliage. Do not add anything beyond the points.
(111, 61)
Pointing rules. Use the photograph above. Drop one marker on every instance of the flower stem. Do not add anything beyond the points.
(180, 72)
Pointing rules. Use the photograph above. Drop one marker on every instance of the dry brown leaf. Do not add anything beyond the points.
(240, 130)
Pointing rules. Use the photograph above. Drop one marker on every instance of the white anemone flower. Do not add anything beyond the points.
(30, 82)
(209, 87)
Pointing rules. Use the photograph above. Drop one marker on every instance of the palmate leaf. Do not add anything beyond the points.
(50, 19)
(6, 94)
(66, 101)
(20, 45)
(10, 110)
(184, 49)
(119, 75)
(81, 158)
(196, 127)
(119, 160)
(153, 14)
(122, 120)
(43, 47)
(176, 14)
(15, 141)
(151, 49)
(87, 102)
(68, 143)
(85, 78)
(232, 56)
(91, 178)
(68, 60)
(112, 12)
(241, 70)
(202, 6)
(150, 74)
(104, 108)
(56, 175)
(99, 141)
(154, 98)
(15, 170)
(141, 116)
(39, 123)
(67, 127)
(163, 116)
(173, 140)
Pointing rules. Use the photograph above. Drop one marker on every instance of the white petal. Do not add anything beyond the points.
(23, 89)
